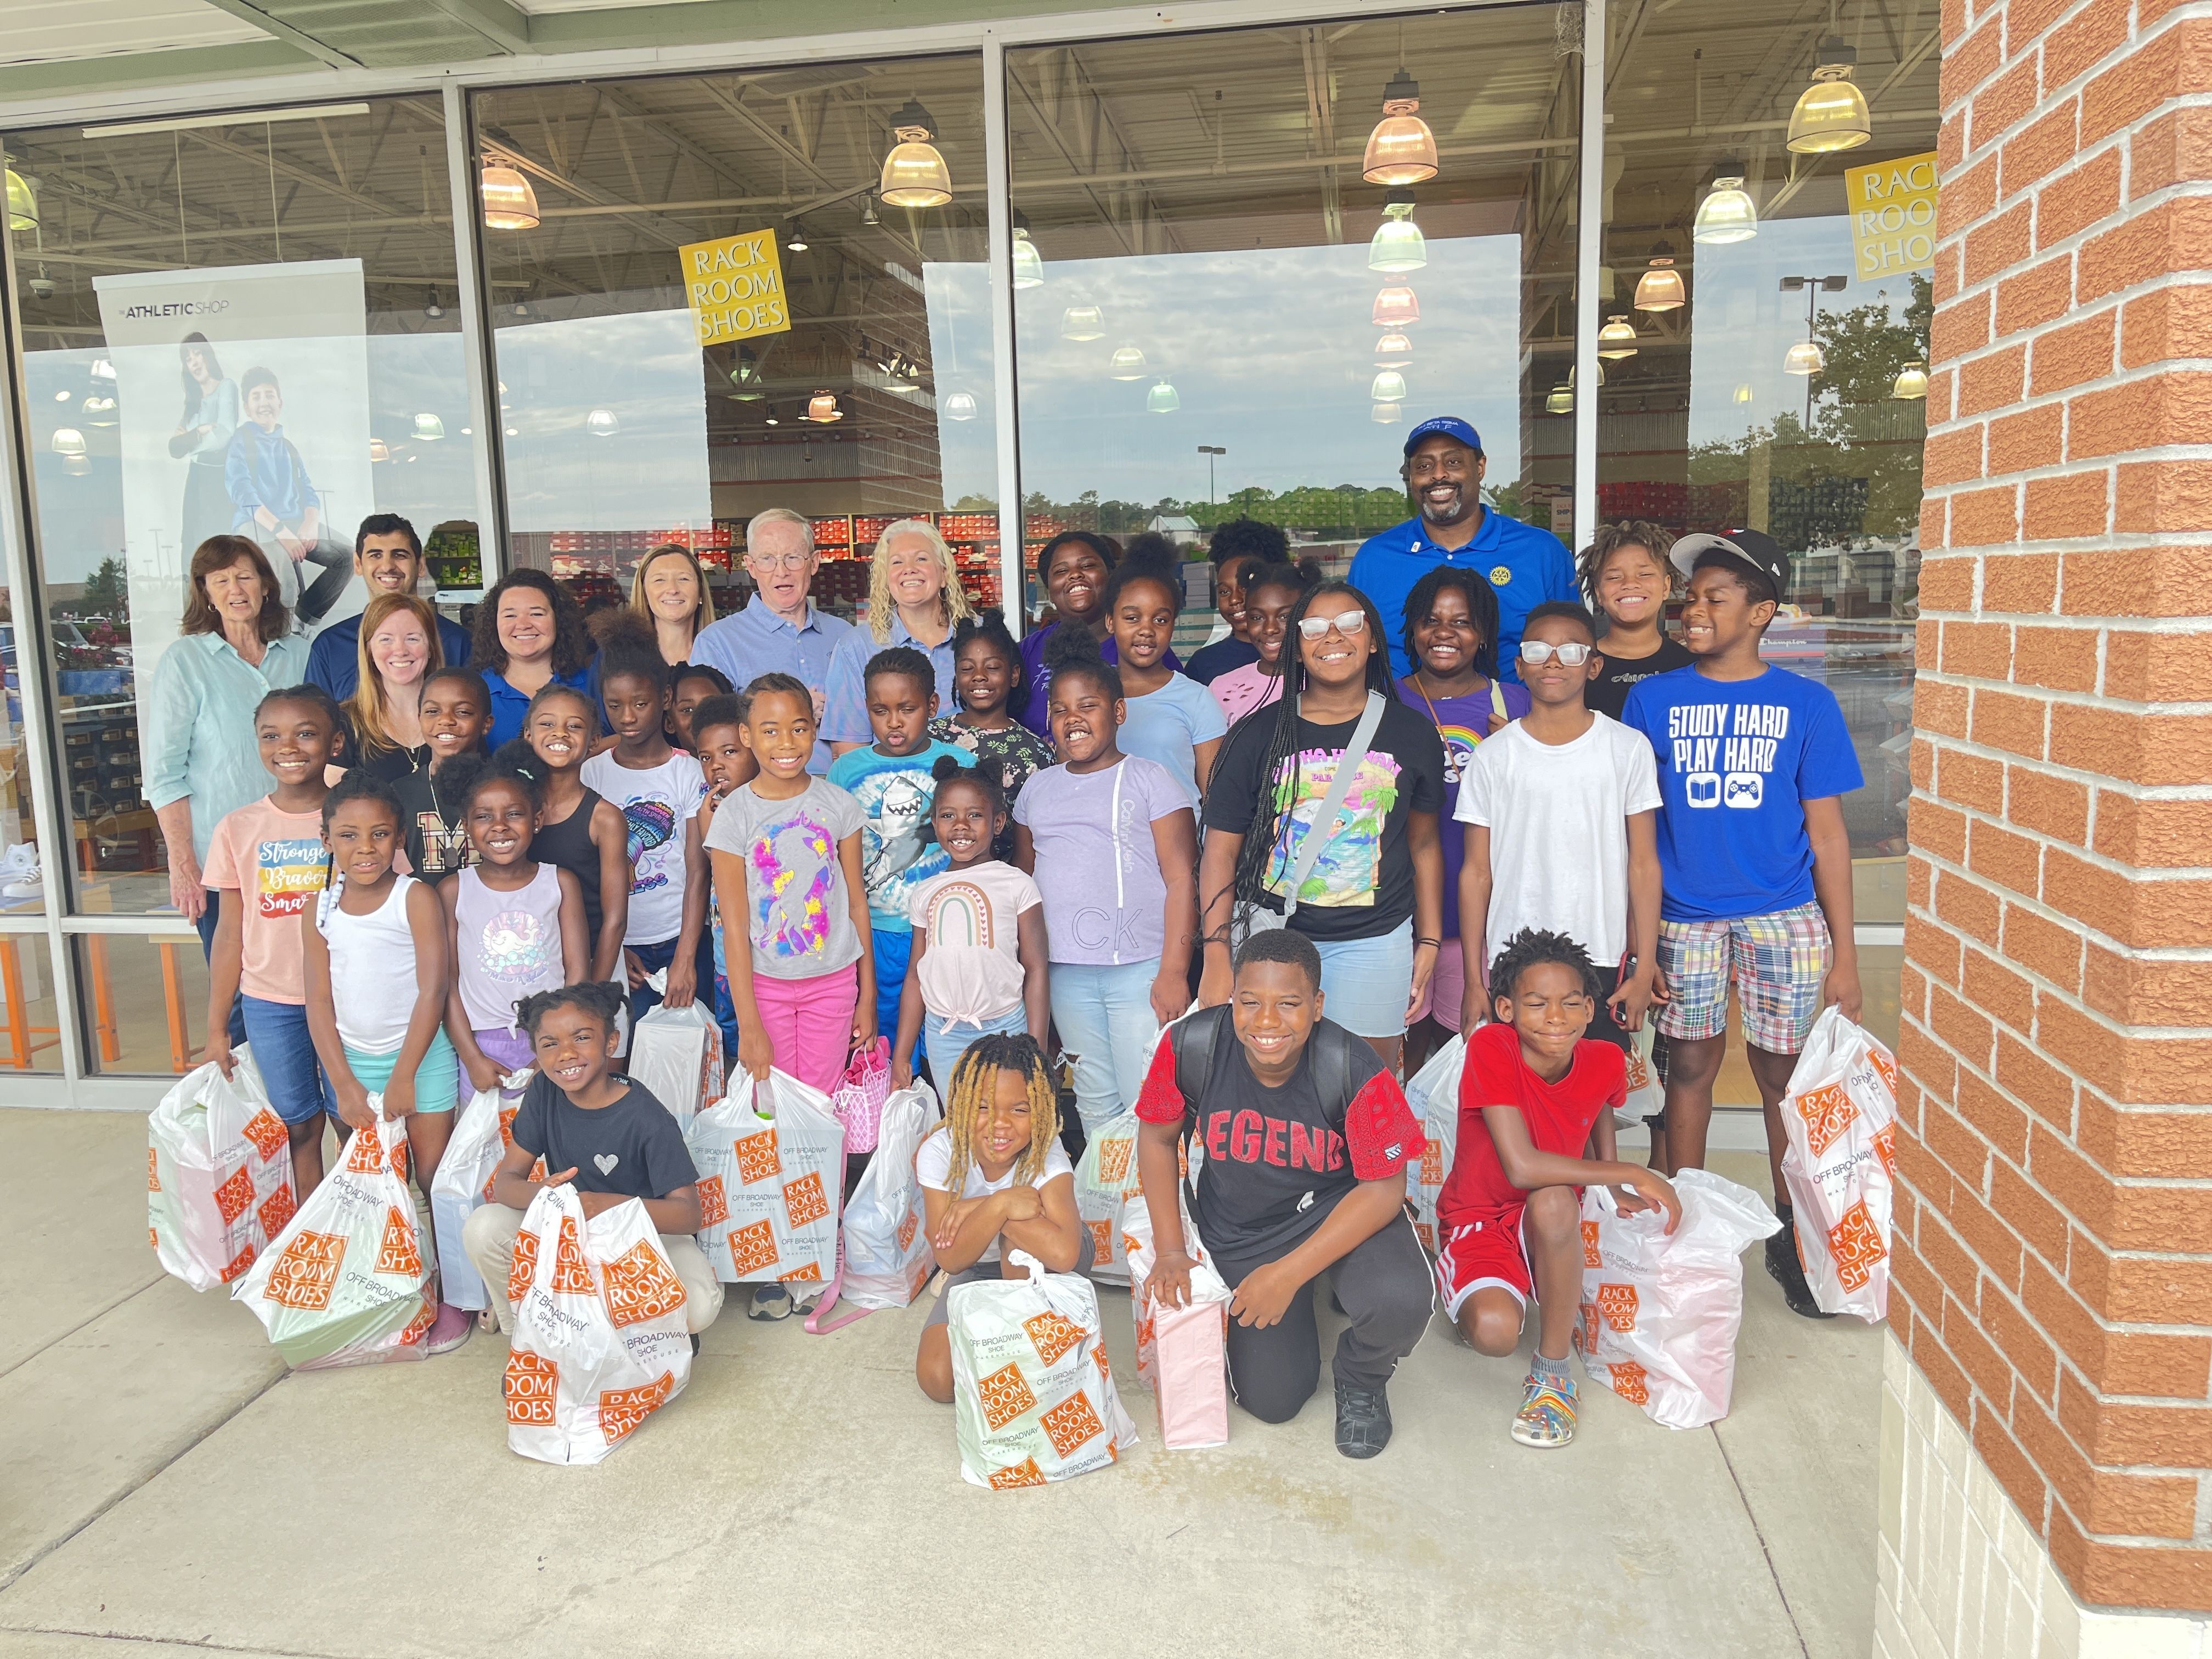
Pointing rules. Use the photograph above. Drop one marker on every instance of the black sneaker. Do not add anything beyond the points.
(1788, 1272)
(1363, 1421)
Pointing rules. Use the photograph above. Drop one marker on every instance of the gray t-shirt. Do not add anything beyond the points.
(798, 915)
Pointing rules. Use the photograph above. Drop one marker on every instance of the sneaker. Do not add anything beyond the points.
(1363, 1421)
(452, 1328)
(770, 1302)
(19, 873)
(1782, 1263)
(1547, 1418)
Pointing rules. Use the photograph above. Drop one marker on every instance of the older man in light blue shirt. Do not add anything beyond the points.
(779, 631)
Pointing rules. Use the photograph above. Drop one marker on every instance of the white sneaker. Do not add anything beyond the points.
(20, 877)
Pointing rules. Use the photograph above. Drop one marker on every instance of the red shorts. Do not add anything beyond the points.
(1485, 1251)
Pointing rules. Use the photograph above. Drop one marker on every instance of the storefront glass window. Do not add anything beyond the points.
(1222, 311)
(735, 296)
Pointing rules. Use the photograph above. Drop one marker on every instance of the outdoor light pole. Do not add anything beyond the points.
(1813, 287)
(1210, 451)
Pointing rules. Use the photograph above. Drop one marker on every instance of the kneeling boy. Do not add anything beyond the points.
(1306, 1139)
(604, 1134)
(1535, 1125)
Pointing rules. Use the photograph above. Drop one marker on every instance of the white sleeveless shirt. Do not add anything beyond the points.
(374, 983)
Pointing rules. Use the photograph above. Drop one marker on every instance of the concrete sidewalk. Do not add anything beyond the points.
(166, 1487)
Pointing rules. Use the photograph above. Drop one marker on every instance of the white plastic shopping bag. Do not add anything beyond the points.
(483, 1132)
(887, 1255)
(346, 1283)
(218, 1174)
(1433, 1094)
(677, 1053)
(600, 1340)
(1032, 1398)
(1183, 1353)
(1840, 1166)
(771, 1162)
(1647, 1096)
(1660, 1310)
(1105, 1181)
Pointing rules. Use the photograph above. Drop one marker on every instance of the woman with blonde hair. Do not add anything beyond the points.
(914, 598)
(398, 649)
(670, 589)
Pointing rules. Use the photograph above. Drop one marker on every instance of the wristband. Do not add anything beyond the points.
(1438, 943)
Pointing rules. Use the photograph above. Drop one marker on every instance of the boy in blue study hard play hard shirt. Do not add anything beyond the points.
(1754, 860)
(1525, 566)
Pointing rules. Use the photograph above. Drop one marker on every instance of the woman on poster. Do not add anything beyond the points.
(201, 441)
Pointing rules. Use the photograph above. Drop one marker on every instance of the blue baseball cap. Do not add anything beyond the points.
(1450, 425)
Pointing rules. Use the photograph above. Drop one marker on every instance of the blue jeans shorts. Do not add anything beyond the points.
(276, 1032)
(945, 1042)
(1365, 982)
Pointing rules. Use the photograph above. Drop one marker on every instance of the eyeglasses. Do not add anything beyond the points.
(1350, 623)
(1574, 653)
(779, 561)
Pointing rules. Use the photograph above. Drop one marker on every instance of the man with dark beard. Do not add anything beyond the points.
(1444, 471)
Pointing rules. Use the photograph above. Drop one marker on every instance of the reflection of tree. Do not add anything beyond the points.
(1337, 515)
(108, 590)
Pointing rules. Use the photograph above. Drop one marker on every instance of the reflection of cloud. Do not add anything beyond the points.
(1272, 353)
(959, 299)
(411, 374)
(652, 472)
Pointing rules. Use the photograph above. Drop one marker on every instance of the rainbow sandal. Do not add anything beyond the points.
(1547, 1418)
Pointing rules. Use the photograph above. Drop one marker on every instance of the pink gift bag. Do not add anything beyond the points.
(1183, 1353)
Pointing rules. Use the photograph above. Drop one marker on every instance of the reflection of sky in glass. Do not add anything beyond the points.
(959, 299)
(652, 472)
(1273, 354)
(1742, 324)
(411, 374)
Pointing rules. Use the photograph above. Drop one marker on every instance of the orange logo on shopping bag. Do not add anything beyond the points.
(1588, 1332)
(1854, 1243)
(572, 1274)
(1640, 1073)
(419, 1327)
(532, 1381)
(1590, 1256)
(153, 1170)
(308, 1272)
(1432, 1164)
(756, 1158)
(1886, 1067)
(267, 1132)
(1618, 1303)
(1023, 1473)
(1145, 1338)
(1427, 1235)
(400, 1256)
(622, 1410)
(714, 1202)
(235, 1196)
(506, 1116)
(1071, 1422)
(1052, 1334)
(1005, 1394)
(277, 1210)
(907, 1231)
(524, 1268)
(752, 1249)
(1098, 1353)
(1629, 1383)
(537, 1170)
(154, 1238)
(365, 1154)
(1113, 1160)
(1885, 1148)
(238, 1263)
(804, 1200)
(809, 1274)
(1102, 1240)
(1827, 1111)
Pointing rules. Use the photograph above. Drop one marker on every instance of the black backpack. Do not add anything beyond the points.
(1330, 1050)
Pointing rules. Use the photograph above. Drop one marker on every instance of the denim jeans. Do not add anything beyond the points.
(1106, 1027)
(276, 1032)
(643, 999)
(945, 1043)
(206, 926)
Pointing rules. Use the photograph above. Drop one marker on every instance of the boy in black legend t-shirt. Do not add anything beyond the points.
(1625, 573)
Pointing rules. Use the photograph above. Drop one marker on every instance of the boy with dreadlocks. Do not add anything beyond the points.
(993, 1176)
(1534, 1127)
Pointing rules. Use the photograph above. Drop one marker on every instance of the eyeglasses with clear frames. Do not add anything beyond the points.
(1573, 652)
(1350, 623)
(779, 561)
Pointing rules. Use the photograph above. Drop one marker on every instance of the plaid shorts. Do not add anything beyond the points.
(1777, 963)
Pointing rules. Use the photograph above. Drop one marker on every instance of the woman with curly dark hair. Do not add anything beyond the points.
(529, 633)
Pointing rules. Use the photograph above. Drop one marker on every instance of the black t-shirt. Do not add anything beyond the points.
(632, 1148)
(1618, 677)
(1362, 885)
(390, 765)
(1278, 1160)
(437, 834)
(1219, 658)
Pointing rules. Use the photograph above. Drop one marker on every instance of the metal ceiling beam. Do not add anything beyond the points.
(246, 11)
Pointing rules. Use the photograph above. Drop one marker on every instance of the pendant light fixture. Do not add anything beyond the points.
(821, 409)
(1162, 400)
(1728, 213)
(745, 375)
(103, 368)
(868, 211)
(1601, 375)
(379, 451)
(68, 444)
(428, 429)
(1831, 113)
(1389, 387)
(794, 239)
(771, 418)
(509, 203)
(22, 202)
(1911, 382)
(1617, 339)
(1743, 392)
(1396, 308)
(1129, 364)
(602, 424)
(1029, 263)
(433, 311)
(960, 406)
(1082, 322)
(1393, 351)
(1560, 400)
(1806, 357)
(1397, 243)
(915, 174)
(99, 411)
(1401, 151)
(1660, 288)
(1388, 414)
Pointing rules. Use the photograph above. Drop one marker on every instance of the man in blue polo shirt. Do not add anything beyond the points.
(1528, 567)
(387, 556)
(779, 631)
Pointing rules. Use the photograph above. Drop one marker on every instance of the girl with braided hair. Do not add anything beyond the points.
(1371, 897)
(994, 1175)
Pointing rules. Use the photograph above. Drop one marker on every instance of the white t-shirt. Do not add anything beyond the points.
(1558, 818)
(658, 805)
(933, 1168)
(972, 971)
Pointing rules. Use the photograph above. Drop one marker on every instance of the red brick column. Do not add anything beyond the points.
(2054, 1240)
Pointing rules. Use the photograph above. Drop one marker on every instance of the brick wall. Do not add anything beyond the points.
(2055, 1240)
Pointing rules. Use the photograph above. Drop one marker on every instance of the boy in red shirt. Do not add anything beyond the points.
(1534, 1127)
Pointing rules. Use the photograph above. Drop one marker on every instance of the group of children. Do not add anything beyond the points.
(1597, 836)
